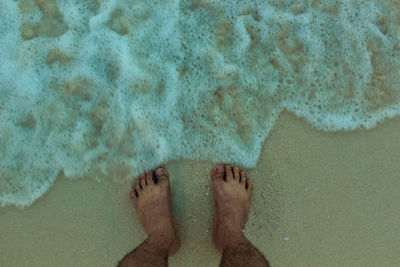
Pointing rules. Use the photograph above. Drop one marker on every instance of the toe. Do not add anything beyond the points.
(218, 173)
(143, 182)
(229, 174)
(162, 175)
(249, 186)
(149, 178)
(141, 177)
(149, 175)
(133, 194)
(236, 174)
(243, 178)
(138, 187)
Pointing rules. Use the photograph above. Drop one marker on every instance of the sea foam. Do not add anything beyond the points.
(111, 88)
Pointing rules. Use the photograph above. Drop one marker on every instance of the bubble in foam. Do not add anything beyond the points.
(113, 88)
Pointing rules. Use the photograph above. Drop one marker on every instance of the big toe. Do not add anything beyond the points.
(162, 175)
(218, 173)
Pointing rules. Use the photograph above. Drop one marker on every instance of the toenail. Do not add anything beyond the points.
(160, 171)
(220, 169)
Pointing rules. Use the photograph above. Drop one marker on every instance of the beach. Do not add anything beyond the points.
(320, 199)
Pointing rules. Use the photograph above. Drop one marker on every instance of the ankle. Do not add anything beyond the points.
(229, 236)
(161, 240)
(233, 242)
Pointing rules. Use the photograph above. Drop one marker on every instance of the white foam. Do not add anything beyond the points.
(130, 86)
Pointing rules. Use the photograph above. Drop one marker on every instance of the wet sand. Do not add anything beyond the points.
(320, 199)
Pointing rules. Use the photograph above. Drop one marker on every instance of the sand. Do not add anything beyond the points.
(320, 199)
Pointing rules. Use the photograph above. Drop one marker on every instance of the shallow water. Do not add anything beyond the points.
(110, 88)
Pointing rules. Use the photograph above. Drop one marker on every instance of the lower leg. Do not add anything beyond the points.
(149, 253)
(242, 253)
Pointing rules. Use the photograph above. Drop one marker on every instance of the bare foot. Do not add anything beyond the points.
(151, 198)
(232, 193)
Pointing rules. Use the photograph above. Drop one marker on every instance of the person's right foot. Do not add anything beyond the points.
(151, 198)
(232, 193)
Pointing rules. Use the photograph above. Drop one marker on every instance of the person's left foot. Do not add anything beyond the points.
(151, 198)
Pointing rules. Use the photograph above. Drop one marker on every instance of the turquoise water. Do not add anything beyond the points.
(112, 88)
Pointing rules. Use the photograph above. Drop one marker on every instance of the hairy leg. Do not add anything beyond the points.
(242, 253)
(148, 254)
